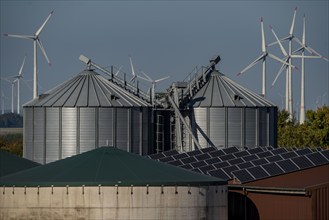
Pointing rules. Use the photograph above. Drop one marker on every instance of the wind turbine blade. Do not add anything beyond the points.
(263, 36)
(277, 39)
(27, 84)
(281, 61)
(118, 71)
(149, 78)
(252, 64)
(304, 26)
(15, 80)
(132, 68)
(43, 25)
(298, 50)
(43, 51)
(20, 36)
(293, 23)
(158, 80)
(279, 73)
(316, 53)
(143, 78)
(22, 66)
(275, 42)
(301, 56)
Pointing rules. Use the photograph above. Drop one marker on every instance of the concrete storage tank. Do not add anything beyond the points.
(222, 113)
(108, 183)
(84, 113)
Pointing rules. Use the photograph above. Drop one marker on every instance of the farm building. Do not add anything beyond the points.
(109, 183)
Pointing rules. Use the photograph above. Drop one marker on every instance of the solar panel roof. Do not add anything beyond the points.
(247, 164)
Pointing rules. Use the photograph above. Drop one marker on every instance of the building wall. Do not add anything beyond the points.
(268, 206)
(114, 203)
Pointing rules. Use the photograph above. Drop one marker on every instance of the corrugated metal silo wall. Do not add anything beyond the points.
(199, 125)
(122, 129)
(217, 123)
(106, 127)
(39, 135)
(263, 127)
(87, 136)
(136, 135)
(234, 126)
(69, 132)
(28, 133)
(52, 134)
(273, 127)
(250, 127)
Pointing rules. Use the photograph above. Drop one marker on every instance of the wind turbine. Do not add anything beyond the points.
(302, 49)
(3, 97)
(18, 80)
(12, 93)
(153, 82)
(263, 59)
(290, 37)
(36, 40)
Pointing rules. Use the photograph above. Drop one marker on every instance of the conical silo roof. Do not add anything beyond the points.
(221, 91)
(108, 166)
(88, 89)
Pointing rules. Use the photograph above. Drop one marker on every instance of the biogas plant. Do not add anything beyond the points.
(93, 110)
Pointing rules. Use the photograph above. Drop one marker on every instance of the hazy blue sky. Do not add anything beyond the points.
(163, 38)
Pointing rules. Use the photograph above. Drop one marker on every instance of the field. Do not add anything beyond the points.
(6, 131)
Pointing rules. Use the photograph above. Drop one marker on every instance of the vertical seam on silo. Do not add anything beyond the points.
(257, 126)
(33, 131)
(129, 122)
(60, 134)
(141, 131)
(114, 124)
(45, 135)
(77, 150)
(96, 127)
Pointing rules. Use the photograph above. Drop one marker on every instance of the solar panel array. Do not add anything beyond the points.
(245, 165)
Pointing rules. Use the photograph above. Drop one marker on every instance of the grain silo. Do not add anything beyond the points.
(223, 113)
(108, 183)
(84, 113)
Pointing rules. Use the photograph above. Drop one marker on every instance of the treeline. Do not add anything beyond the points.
(11, 120)
(12, 143)
(313, 133)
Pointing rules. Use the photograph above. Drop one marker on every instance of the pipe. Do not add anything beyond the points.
(184, 122)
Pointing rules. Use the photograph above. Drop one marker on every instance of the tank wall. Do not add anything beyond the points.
(114, 203)
(217, 126)
(52, 134)
(28, 133)
(122, 128)
(199, 125)
(251, 127)
(87, 129)
(69, 132)
(105, 122)
(56, 133)
(39, 135)
(234, 126)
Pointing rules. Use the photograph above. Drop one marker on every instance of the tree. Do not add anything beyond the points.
(313, 133)
(11, 120)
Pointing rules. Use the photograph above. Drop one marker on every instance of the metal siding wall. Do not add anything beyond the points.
(273, 126)
(87, 129)
(263, 127)
(146, 134)
(136, 130)
(217, 126)
(28, 133)
(69, 132)
(251, 114)
(39, 135)
(122, 129)
(200, 125)
(105, 121)
(52, 134)
(234, 124)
